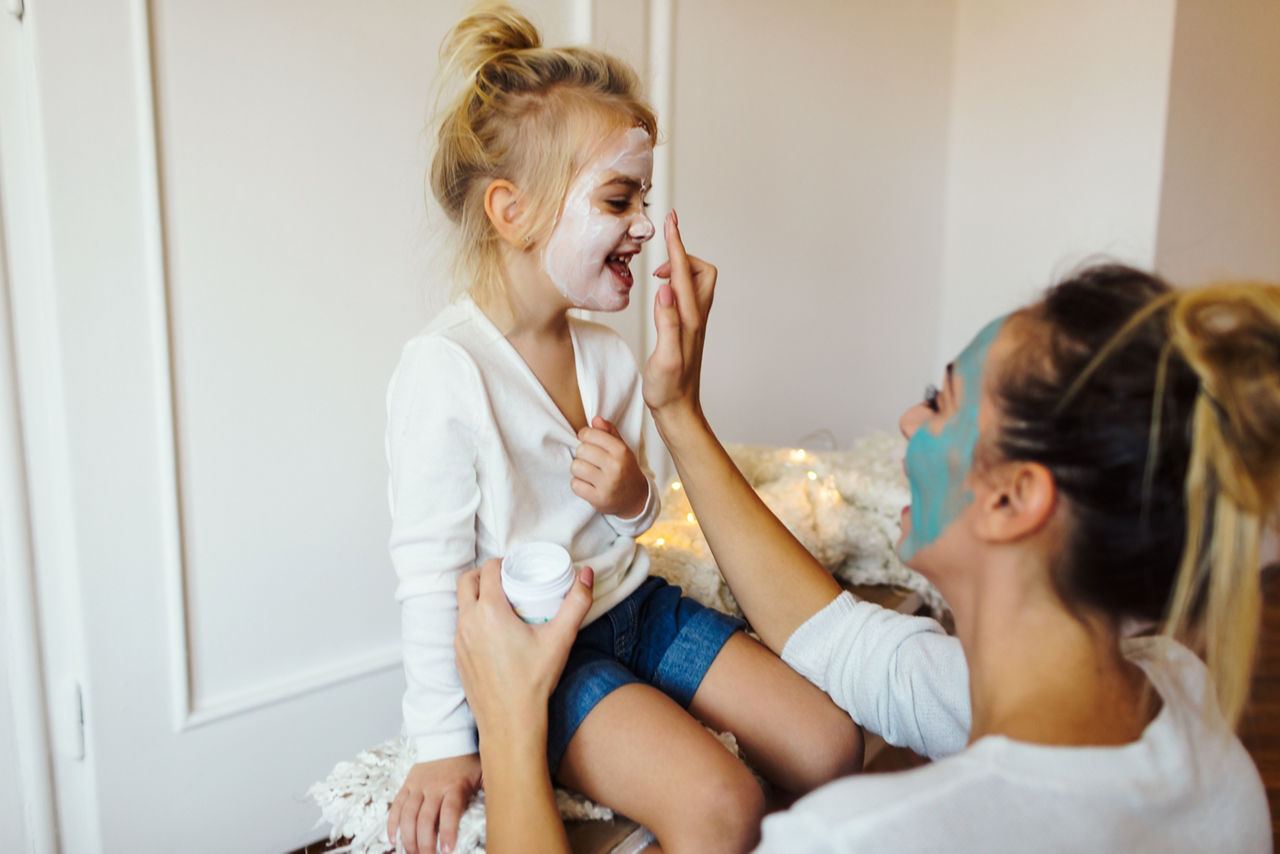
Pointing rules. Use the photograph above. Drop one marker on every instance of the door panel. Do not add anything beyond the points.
(235, 249)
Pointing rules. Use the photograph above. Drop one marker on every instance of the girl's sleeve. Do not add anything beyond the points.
(631, 427)
(901, 677)
(434, 495)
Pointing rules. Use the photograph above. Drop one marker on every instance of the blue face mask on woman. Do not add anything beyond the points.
(939, 463)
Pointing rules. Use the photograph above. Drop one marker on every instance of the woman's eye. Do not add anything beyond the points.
(619, 205)
(931, 397)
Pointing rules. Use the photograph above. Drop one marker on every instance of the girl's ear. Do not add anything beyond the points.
(1015, 501)
(502, 204)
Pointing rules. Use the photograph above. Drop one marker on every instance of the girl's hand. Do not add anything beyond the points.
(509, 667)
(431, 802)
(680, 309)
(605, 472)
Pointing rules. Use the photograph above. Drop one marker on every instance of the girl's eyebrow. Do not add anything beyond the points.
(624, 180)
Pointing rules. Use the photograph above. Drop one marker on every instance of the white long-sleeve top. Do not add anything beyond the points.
(479, 457)
(1187, 785)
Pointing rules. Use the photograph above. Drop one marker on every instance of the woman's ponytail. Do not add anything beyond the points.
(1230, 337)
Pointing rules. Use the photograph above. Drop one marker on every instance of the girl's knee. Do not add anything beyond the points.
(721, 814)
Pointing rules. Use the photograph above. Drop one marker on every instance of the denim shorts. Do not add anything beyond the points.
(655, 636)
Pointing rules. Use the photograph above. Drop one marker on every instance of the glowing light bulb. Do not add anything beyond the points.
(660, 542)
(797, 455)
(675, 486)
(813, 475)
(689, 516)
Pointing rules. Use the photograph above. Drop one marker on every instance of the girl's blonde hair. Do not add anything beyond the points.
(1158, 413)
(524, 113)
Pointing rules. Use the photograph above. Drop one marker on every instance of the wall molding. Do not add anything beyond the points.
(230, 704)
(187, 710)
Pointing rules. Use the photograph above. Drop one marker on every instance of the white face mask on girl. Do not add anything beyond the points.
(602, 224)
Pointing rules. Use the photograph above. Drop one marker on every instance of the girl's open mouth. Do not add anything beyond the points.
(621, 266)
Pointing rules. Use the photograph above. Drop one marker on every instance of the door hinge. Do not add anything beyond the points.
(75, 729)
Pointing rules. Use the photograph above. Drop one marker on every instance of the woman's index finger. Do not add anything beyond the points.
(681, 279)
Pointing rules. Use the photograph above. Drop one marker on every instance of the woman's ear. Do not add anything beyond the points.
(1015, 500)
(503, 206)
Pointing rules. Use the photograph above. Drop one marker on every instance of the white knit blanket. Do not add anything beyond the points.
(844, 506)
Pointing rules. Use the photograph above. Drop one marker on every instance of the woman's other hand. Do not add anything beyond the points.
(509, 667)
(432, 801)
(680, 309)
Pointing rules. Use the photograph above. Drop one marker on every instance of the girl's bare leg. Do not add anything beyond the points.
(638, 752)
(789, 730)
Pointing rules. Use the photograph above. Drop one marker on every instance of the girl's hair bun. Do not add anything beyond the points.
(490, 31)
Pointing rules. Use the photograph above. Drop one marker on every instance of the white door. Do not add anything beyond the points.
(222, 250)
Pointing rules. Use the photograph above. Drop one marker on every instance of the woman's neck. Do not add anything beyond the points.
(1041, 674)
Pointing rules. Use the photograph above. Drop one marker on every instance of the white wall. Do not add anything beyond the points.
(1056, 138)
(809, 154)
(1220, 204)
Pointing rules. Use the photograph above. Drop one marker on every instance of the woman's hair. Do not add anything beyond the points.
(523, 113)
(1157, 411)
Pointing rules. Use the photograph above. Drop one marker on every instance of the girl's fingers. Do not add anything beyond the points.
(663, 271)
(583, 489)
(428, 815)
(605, 425)
(606, 440)
(409, 821)
(451, 809)
(585, 470)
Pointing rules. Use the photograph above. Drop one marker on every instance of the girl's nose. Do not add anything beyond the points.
(641, 228)
(911, 420)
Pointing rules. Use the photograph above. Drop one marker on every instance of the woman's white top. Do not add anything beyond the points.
(1187, 785)
(479, 457)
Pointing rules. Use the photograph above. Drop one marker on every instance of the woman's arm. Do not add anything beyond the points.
(508, 670)
(776, 581)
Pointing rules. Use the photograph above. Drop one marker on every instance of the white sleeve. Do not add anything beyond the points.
(901, 677)
(434, 494)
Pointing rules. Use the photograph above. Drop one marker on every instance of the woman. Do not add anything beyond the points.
(1074, 449)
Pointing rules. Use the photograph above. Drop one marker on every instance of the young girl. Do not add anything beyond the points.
(510, 421)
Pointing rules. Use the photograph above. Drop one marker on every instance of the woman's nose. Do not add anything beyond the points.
(641, 228)
(911, 420)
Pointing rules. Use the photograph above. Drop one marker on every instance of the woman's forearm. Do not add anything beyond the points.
(774, 578)
(520, 804)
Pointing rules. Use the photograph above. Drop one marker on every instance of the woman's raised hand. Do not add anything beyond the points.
(672, 374)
